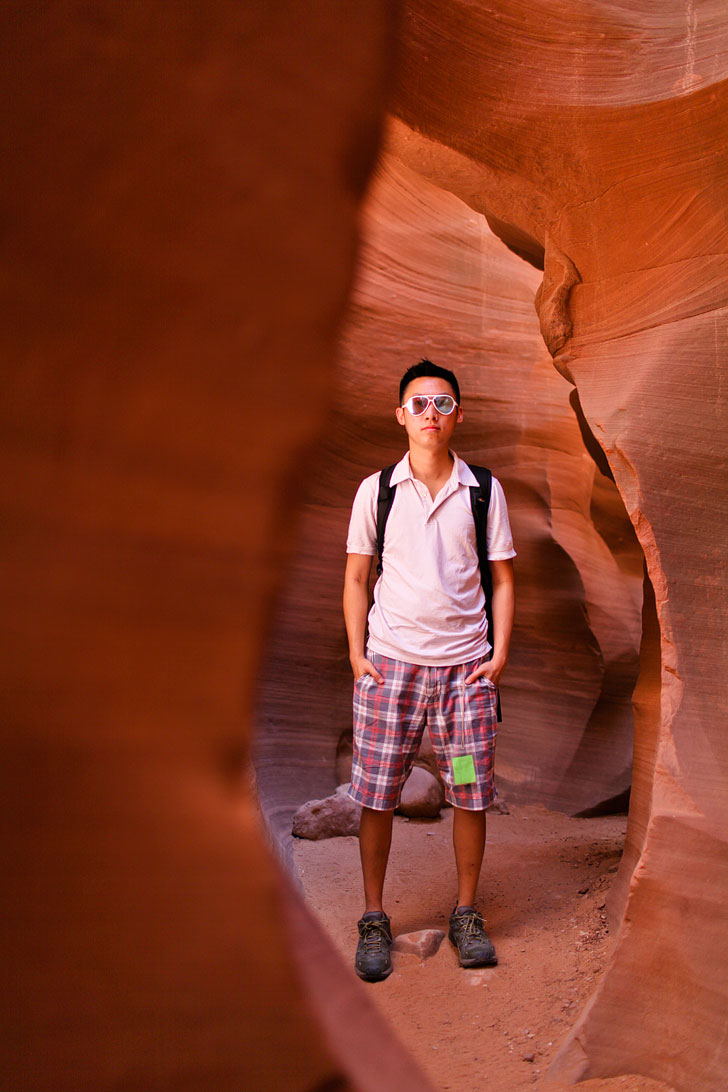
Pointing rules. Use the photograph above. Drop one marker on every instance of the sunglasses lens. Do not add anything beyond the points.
(444, 403)
(417, 404)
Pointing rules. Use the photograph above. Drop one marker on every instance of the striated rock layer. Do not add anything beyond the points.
(434, 281)
(169, 170)
(595, 143)
(180, 191)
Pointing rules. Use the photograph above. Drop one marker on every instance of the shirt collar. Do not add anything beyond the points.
(402, 471)
(464, 473)
(461, 472)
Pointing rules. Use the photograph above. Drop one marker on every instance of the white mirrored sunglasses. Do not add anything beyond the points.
(418, 403)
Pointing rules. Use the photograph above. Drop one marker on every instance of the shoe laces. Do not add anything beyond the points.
(374, 936)
(471, 923)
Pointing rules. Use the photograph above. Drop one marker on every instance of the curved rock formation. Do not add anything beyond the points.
(433, 280)
(179, 188)
(599, 135)
(180, 196)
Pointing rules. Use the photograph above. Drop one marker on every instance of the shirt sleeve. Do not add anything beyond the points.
(500, 539)
(362, 536)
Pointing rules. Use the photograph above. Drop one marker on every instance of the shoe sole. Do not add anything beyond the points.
(468, 963)
(373, 977)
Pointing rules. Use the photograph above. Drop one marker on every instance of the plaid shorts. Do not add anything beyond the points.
(389, 721)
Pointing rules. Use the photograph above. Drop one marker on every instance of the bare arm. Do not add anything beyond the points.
(356, 606)
(504, 602)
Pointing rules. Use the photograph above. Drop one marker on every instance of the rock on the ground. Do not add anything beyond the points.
(335, 816)
(422, 796)
(500, 807)
(424, 943)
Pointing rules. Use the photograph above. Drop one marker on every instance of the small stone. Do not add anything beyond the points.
(335, 816)
(422, 795)
(499, 807)
(529, 1057)
(423, 943)
(584, 890)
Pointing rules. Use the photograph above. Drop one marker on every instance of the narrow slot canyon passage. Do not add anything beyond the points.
(455, 293)
(434, 281)
(184, 198)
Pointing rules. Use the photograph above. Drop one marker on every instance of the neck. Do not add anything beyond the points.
(426, 465)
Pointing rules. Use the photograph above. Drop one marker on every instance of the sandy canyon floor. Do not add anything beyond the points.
(542, 891)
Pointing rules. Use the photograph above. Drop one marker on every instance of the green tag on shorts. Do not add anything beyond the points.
(463, 770)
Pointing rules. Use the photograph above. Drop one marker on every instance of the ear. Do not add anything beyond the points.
(399, 414)
(459, 417)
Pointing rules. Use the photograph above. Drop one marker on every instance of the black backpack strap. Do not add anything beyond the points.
(480, 503)
(385, 500)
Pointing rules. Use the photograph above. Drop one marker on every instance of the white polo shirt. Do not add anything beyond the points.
(429, 606)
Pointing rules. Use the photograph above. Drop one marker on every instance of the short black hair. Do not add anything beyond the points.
(424, 370)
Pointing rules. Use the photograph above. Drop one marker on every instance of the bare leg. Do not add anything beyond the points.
(375, 838)
(468, 839)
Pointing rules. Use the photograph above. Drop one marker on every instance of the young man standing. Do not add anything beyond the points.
(430, 659)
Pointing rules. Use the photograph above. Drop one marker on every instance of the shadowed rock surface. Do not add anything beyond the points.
(433, 280)
(336, 816)
(594, 141)
(423, 795)
(150, 941)
(180, 194)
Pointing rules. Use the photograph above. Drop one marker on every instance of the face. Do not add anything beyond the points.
(431, 430)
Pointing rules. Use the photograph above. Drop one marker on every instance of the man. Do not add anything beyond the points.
(429, 659)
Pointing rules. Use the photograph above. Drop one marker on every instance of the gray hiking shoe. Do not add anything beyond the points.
(468, 934)
(373, 961)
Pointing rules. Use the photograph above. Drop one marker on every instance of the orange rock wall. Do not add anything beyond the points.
(594, 140)
(434, 281)
(180, 191)
(179, 188)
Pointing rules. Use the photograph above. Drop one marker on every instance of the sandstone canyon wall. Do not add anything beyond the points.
(593, 138)
(179, 234)
(434, 281)
(168, 171)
